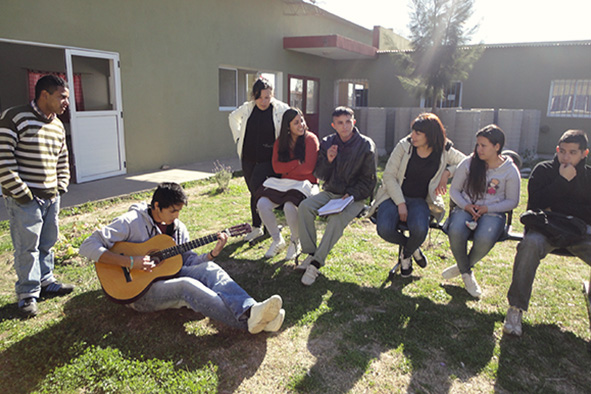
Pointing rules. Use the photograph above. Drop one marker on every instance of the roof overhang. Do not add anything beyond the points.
(334, 47)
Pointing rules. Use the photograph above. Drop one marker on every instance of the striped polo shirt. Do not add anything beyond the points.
(33, 154)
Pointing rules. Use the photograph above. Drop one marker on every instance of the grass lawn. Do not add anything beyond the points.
(352, 331)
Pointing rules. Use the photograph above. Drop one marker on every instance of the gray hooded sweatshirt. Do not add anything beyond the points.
(135, 226)
(502, 190)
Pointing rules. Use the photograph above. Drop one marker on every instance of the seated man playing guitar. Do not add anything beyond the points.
(197, 282)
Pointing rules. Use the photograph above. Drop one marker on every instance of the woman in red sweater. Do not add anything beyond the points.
(294, 157)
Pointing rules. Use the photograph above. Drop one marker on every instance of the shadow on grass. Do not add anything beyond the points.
(354, 325)
(440, 343)
(358, 332)
(545, 359)
(368, 322)
(90, 319)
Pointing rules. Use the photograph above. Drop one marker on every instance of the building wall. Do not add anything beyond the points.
(505, 77)
(520, 77)
(170, 53)
(385, 90)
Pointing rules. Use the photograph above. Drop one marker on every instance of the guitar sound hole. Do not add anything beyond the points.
(156, 259)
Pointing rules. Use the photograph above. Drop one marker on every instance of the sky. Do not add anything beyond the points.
(501, 21)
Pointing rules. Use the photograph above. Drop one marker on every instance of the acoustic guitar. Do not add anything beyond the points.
(123, 285)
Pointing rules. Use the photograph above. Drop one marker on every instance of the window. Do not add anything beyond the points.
(296, 88)
(352, 93)
(311, 96)
(452, 98)
(235, 86)
(228, 82)
(34, 76)
(570, 98)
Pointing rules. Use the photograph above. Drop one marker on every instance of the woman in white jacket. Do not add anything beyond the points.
(413, 182)
(255, 126)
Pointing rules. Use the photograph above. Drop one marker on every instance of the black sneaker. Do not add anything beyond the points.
(420, 258)
(56, 289)
(405, 266)
(28, 306)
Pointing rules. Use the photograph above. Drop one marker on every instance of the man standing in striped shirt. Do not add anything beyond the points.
(34, 172)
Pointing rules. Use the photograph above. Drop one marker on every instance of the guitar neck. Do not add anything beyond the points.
(182, 248)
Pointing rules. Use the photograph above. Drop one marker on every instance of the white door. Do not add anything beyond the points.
(96, 126)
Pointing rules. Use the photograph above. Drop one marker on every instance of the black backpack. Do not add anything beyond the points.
(560, 229)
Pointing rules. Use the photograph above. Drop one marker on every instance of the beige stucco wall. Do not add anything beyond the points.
(170, 52)
(389, 41)
(385, 89)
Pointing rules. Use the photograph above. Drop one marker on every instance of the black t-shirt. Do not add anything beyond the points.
(419, 172)
(259, 136)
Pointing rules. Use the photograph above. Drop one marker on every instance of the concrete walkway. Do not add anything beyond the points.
(127, 184)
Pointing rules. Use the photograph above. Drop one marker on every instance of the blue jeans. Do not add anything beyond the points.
(206, 288)
(417, 222)
(530, 251)
(487, 233)
(34, 231)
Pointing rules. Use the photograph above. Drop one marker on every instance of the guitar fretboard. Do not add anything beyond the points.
(182, 248)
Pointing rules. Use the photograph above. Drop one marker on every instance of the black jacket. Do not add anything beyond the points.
(353, 171)
(548, 189)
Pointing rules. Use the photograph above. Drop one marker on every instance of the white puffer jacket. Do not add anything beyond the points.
(239, 117)
(395, 170)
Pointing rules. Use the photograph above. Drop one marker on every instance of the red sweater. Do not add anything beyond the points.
(293, 169)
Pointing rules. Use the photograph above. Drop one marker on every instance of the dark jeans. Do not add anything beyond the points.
(417, 222)
(254, 175)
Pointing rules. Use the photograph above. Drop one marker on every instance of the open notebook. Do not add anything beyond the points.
(335, 206)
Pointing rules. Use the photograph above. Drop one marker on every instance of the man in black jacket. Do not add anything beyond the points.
(560, 185)
(347, 165)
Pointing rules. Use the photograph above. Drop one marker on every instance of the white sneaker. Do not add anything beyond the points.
(254, 234)
(263, 313)
(305, 264)
(293, 250)
(310, 275)
(471, 284)
(512, 325)
(275, 247)
(451, 272)
(275, 324)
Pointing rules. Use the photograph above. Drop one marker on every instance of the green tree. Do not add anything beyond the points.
(441, 54)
